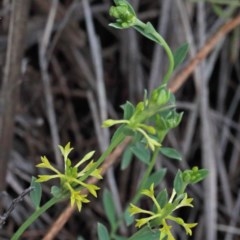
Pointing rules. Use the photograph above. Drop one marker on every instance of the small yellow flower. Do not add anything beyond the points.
(152, 143)
(133, 209)
(71, 180)
(160, 217)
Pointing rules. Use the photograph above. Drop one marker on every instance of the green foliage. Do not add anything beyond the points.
(155, 178)
(145, 233)
(36, 193)
(163, 212)
(180, 54)
(102, 232)
(182, 179)
(109, 207)
(171, 153)
(141, 152)
(126, 158)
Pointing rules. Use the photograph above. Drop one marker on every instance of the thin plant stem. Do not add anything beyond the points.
(169, 54)
(146, 176)
(159, 39)
(141, 186)
(34, 216)
(117, 141)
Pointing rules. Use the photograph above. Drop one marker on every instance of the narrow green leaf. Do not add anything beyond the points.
(162, 198)
(116, 25)
(178, 183)
(117, 132)
(128, 218)
(147, 34)
(141, 152)
(180, 54)
(146, 233)
(116, 237)
(109, 207)
(126, 158)
(55, 191)
(128, 131)
(36, 193)
(128, 110)
(155, 178)
(102, 232)
(171, 153)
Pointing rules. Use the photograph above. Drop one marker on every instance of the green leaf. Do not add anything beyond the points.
(171, 153)
(149, 29)
(155, 178)
(116, 25)
(109, 207)
(117, 133)
(141, 152)
(128, 131)
(102, 232)
(128, 110)
(146, 34)
(178, 184)
(146, 233)
(162, 198)
(116, 237)
(180, 54)
(126, 158)
(36, 193)
(128, 218)
(56, 191)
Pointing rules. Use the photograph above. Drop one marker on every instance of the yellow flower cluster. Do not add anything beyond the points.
(71, 180)
(160, 216)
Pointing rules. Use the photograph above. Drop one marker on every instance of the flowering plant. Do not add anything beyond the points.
(70, 181)
(147, 124)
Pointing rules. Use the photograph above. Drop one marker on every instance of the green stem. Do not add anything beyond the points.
(141, 187)
(155, 36)
(118, 140)
(170, 57)
(146, 176)
(34, 216)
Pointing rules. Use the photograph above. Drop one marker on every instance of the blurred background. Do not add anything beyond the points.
(63, 71)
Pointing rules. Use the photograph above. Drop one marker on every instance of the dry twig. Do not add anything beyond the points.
(15, 201)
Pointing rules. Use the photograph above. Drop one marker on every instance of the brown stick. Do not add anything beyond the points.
(183, 75)
(12, 73)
